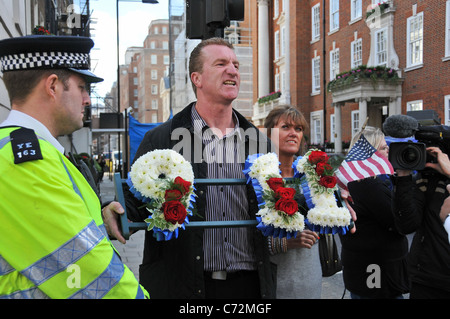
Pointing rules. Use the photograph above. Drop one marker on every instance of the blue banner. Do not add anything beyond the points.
(137, 131)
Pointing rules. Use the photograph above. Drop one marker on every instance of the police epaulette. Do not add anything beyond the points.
(25, 145)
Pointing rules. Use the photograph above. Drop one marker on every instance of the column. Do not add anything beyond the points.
(263, 48)
(362, 111)
(338, 128)
(287, 89)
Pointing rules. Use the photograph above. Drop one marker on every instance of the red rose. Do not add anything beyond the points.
(285, 192)
(274, 183)
(173, 194)
(317, 157)
(322, 167)
(184, 185)
(287, 205)
(328, 181)
(174, 212)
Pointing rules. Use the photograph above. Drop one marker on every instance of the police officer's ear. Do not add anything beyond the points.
(51, 83)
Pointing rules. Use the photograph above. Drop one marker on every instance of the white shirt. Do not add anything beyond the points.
(447, 227)
(17, 118)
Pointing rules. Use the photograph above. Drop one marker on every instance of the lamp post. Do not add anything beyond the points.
(125, 166)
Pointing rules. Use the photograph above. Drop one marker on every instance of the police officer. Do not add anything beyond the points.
(54, 241)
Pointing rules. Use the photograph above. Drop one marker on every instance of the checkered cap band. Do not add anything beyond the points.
(36, 60)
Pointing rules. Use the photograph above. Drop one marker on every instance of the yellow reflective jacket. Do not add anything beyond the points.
(53, 242)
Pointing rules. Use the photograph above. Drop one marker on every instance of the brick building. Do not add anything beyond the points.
(307, 50)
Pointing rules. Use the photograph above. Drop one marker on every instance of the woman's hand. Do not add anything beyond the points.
(306, 239)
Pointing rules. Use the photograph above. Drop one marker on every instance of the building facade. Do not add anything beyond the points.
(342, 62)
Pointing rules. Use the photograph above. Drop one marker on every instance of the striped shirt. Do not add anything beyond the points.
(228, 249)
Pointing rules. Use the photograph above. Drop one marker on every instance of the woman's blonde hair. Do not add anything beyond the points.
(373, 135)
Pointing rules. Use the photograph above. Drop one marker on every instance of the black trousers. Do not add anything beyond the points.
(239, 285)
(419, 291)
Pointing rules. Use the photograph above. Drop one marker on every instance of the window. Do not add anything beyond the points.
(315, 15)
(355, 122)
(447, 109)
(154, 104)
(447, 30)
(316, 127)
(332, 128)
(165, 45)
(164, 30)
(135, 81)
(276, 8)
(153, 59)
(415, 40)
(154, 89)
(334, 15)
(154, 75)
(414, 105)
(316, 75)
(277, 45)
(135, 92)
(277, 82)
(379, 1)
(334, 63)
(356, 9)
(152, 45)
(381, 47)
(356, 53)
(283, 41)
(166, 59)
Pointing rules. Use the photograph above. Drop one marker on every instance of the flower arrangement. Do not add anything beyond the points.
(278, 215)
(163, 180)
(269, 97)
(376, 73)
(40, 30)
(319, 185)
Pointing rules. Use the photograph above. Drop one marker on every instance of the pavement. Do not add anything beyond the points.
(131, 252)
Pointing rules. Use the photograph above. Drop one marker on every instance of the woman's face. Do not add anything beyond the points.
(287, 136)
(384, 148)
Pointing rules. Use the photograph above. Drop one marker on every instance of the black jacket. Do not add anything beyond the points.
(417, 205)
(376, 242)
(174, 269)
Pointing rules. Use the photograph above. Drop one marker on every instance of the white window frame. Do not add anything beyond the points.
(276, 8)
(315, 22)
(356, 9)
(277, 45)
(409, 51)
(356, 48)
(334, 63)
(447, 29)
(334, 15)
(316, 120)
(315, 65)
(381, 47)
(277, 82)
(416, 105)
(154, 89)
(154, 75)
(154, 59)
(355, 121)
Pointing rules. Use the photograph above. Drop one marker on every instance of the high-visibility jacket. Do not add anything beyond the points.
(53, 243)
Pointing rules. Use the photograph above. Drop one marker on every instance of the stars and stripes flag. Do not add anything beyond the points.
(362, 161)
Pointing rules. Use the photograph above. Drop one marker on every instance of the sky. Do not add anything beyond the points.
(134, 19)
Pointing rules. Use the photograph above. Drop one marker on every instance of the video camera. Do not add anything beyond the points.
(412, 154)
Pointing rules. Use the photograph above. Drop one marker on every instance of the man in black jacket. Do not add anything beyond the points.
(418, 203)
(209, 263)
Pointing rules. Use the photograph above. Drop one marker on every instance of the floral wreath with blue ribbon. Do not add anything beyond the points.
(278, 214)
(163, 180)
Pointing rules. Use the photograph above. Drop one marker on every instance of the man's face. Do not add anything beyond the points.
(220, 78)
(72, 103)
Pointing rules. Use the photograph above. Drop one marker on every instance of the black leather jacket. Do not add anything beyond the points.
(174, 269)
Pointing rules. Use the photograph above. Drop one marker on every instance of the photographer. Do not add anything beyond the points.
(417, 204)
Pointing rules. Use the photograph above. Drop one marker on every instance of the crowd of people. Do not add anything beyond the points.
(48, 207)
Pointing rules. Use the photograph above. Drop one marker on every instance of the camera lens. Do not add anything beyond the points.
(409, 155)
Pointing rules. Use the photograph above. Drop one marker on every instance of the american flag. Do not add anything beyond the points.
(362, 161)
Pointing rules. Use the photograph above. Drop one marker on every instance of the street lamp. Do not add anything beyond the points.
(125, 166)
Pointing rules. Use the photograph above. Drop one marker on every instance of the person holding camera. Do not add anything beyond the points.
(418, 201)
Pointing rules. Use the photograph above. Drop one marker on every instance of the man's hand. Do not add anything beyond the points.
(111, 215)
(443, 162)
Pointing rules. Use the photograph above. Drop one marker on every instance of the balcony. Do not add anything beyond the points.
(263, 107)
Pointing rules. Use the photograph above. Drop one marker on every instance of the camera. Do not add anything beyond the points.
(412, 155)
